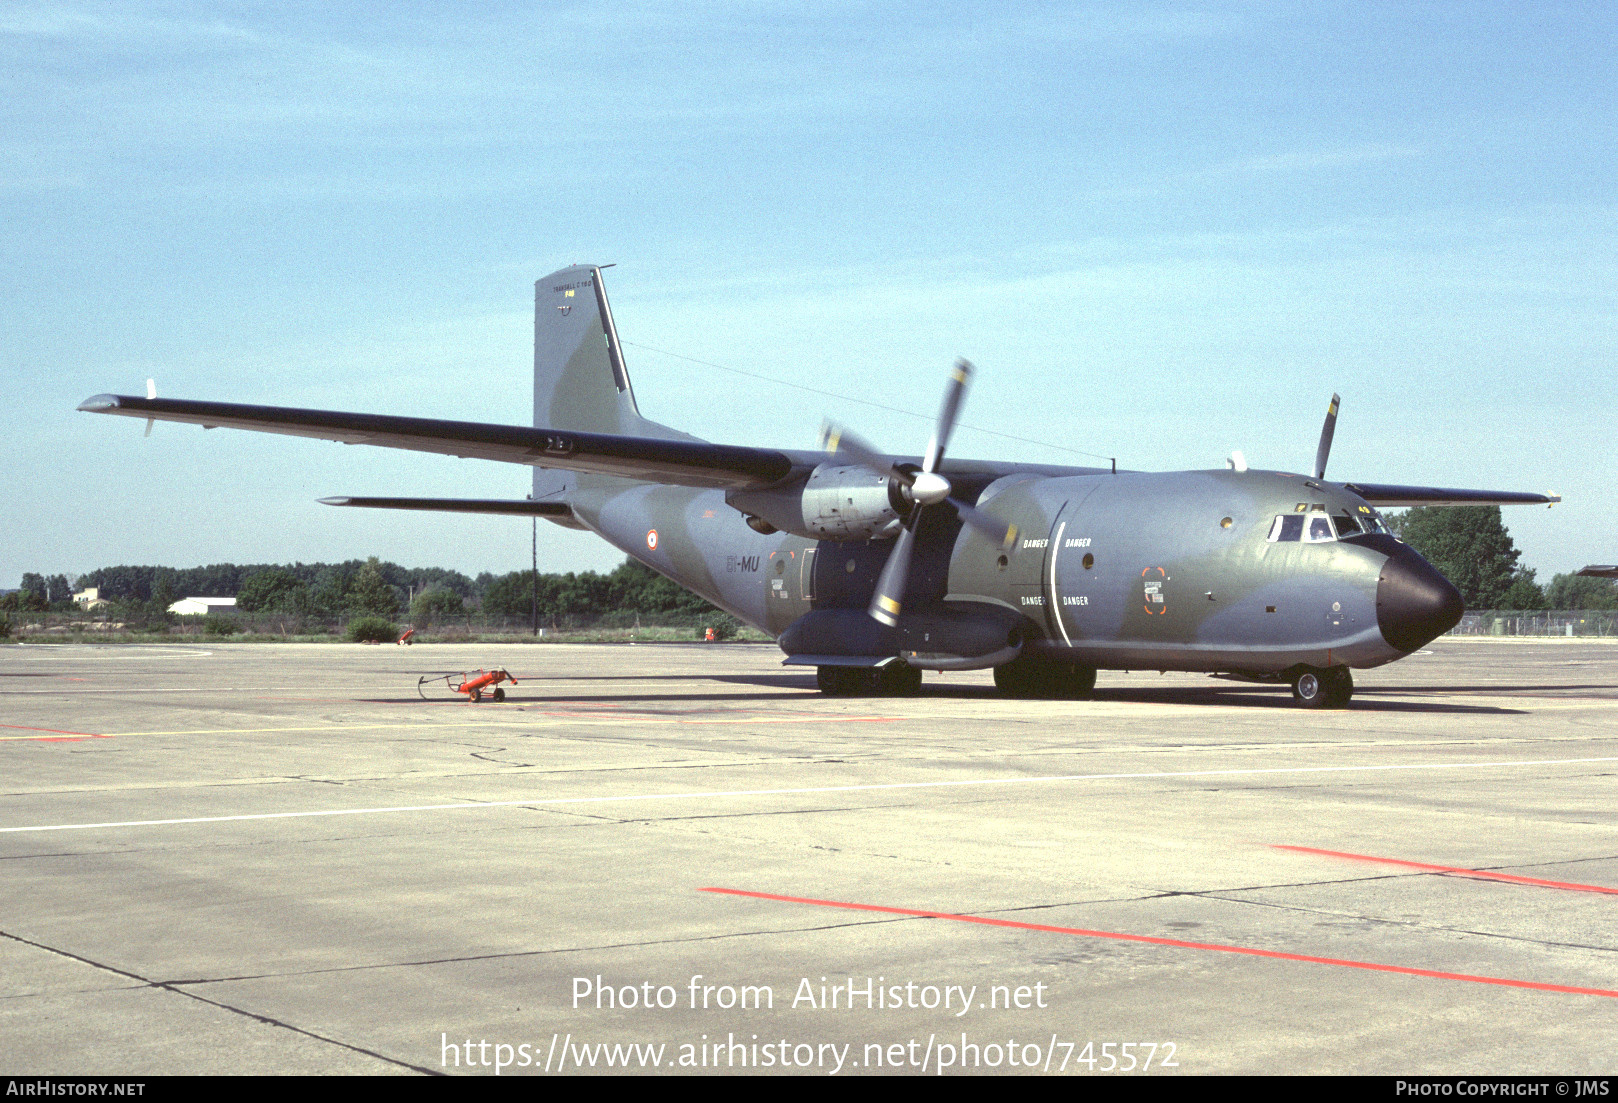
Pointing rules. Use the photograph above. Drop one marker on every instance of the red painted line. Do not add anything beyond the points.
(1149, 939)
(1487, 875)
(54, 731)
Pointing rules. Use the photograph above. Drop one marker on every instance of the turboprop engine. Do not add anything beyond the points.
(836, 502)
(852, 503)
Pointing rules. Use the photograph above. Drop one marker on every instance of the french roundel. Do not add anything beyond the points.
(651, 539)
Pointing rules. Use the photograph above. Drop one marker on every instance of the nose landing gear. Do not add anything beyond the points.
(1330, 688)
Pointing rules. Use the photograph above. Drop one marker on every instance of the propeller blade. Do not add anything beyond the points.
(1326, 432)
(890, 585)
(840, 442)
(946, 415)
(999, 531)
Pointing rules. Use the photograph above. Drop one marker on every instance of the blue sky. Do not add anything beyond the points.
(1162, 231)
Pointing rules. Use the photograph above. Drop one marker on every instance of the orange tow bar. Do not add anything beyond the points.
(472, 683)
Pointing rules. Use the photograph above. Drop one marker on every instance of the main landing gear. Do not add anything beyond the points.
(893, 680)
(1035, 676)
(1323, 689)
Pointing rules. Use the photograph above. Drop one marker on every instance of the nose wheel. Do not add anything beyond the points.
(1330, 688)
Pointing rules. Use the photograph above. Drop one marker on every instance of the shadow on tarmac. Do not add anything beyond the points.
(796, 689)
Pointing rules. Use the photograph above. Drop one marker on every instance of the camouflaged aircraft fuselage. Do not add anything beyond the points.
(1127, 571)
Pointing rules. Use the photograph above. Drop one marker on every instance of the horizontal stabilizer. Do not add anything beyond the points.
(521, 507)
(1389, 494)
(676, 462)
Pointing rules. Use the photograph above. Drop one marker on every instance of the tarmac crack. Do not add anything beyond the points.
(1412, 924)
(170, 986)
(513, 954)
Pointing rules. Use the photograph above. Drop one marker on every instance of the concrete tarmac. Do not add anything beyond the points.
(247, 858)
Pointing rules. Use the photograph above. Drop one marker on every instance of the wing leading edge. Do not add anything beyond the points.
(676, 462)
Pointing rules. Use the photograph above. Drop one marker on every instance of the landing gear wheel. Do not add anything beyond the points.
(1339, 686)
(499, 694)
(1309, 689)
(1027, 676)
(476, 695)
(844, 681)
(1017, 679)
(1323, 689)
(1076, 682)
(898, 680)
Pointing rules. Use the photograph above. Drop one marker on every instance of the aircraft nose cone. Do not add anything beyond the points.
(1414, 603)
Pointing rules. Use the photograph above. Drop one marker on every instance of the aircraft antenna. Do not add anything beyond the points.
(873, 405)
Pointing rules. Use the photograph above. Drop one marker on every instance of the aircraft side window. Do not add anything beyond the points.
(1346, 525)
(1319, 529)
(1288, 526)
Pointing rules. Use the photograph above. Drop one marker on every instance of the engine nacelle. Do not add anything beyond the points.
(852, 503)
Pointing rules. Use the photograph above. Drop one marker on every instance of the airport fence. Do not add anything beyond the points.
(1542, 622)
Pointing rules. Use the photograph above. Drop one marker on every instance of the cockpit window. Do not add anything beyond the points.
(1312, 528)
(1288, 526)
(1311, 524)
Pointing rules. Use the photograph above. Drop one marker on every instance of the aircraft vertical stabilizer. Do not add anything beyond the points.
(580, 380)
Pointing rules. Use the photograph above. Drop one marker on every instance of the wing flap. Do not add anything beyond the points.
(676, 462)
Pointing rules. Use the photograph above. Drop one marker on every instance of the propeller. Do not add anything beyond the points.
(1326, 432)
(925, 488)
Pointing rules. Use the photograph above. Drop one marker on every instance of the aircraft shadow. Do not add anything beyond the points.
(1488, 689)
(1230, 698)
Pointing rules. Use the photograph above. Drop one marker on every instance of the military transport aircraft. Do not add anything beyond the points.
(874, 567)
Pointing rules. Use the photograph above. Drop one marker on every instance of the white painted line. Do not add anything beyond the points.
(1055, 597)
(881, 787)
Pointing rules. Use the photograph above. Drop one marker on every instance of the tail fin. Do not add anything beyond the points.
(580, 381)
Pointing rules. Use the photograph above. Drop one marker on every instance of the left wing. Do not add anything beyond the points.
(517, 507)
(650, 459)
(1392, 494)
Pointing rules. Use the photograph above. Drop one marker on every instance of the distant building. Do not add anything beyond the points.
(203, 606)
(89, 598)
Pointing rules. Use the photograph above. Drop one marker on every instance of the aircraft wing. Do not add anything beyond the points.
(1391, 494)
(517, 507)
(1599, 570)
(676, 462)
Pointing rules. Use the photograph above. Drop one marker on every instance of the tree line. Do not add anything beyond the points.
(372, 587)
(1471, 547)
